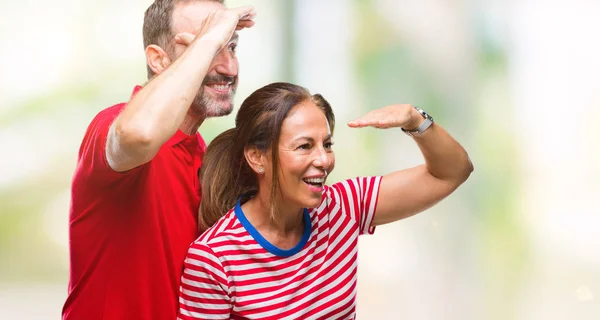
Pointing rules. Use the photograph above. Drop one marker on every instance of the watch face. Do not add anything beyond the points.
(424, 114)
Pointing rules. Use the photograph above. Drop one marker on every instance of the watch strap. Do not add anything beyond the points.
(427, 122)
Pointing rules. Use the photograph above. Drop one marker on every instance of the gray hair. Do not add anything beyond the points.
(157, 25)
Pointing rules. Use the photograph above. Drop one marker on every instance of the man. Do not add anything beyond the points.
(135, 192)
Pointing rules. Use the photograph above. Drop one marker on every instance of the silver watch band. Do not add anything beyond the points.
(427, 122)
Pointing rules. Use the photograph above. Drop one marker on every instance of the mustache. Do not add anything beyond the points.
(220, 78)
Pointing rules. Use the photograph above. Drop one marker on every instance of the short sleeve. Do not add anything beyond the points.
(204, 290)
(358, 199)
(92, 164)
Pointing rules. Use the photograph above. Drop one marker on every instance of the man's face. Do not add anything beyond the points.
(215, 97)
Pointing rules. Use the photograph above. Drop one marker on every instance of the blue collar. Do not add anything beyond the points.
(266, 244)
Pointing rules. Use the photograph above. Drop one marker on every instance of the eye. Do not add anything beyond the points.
(328, 145)
(305, 146)
(232, 48)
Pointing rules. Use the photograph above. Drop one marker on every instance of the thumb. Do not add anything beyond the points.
(184, 38)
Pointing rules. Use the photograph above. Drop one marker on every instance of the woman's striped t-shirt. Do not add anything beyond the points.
(232, 272)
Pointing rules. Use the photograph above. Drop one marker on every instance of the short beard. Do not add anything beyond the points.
(215, 105)
(203, 103)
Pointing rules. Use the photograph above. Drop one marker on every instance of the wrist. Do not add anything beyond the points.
(196, 59)
(416, 118)
(207, 45)
(419, 123)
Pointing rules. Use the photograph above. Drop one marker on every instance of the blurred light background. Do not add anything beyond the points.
(516, 82)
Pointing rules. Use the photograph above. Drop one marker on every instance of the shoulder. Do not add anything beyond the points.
(225, 229)
(109, 113)
(352, 190)
(103, 119)
(92, 157)
(97, 130)
(209, 248)
(354, 185)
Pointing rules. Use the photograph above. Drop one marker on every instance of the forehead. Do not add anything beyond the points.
(188, 16)
(306, 119)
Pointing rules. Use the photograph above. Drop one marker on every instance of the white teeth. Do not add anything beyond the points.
(315, 180)
(221, 87)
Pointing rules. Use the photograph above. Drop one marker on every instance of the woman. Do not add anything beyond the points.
(279, 243)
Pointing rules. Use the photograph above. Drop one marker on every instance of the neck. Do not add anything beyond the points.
(192, 122)
(287, 220)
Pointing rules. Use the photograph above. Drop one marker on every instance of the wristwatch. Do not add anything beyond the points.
(423, 126)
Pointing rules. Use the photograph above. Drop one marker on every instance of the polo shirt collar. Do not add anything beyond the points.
(179, 136)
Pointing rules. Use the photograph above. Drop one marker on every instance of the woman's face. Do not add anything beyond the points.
(305, 156)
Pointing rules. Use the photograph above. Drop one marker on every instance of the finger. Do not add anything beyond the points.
(354, 124)
(249, 16)
(244, 24)
(184, 38)
(384, 123)
(370, 121)
(245, 13)
(378, 123)
(360, 122)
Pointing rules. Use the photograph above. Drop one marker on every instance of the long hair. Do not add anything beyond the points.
(225, 175)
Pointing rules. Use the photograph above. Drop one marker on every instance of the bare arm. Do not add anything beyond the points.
(159, 109)
(407, 192)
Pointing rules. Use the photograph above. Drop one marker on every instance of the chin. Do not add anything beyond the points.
(227, 109)
(215, 106)
(218, 111)
(312, 203)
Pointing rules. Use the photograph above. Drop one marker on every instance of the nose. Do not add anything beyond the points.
(322, 159)
(226, 63)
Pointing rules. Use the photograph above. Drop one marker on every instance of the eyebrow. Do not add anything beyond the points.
(329, 136)
(234, 38)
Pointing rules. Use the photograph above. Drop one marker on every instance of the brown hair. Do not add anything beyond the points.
(225, 174)
(157, 25)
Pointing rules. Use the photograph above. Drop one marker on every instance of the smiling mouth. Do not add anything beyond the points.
(221, 87)
(315, 182)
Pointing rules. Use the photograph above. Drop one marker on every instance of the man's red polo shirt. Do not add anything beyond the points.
(129, 232)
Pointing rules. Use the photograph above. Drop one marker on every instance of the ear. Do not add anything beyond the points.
(256, 159)
(157, 58)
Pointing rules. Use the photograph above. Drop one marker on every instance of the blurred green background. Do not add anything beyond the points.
(516, 82)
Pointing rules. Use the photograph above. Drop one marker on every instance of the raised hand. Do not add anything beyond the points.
(219, 25)
(393, 116)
